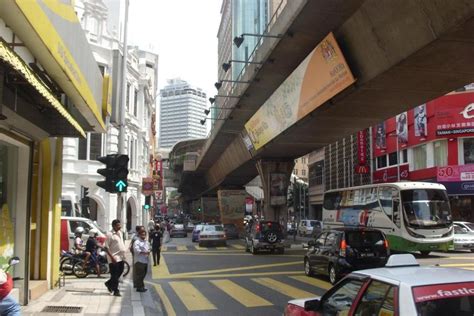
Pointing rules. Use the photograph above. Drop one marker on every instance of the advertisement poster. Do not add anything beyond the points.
(232, 206)
(454, 114)
(322, 75)
(455, 173)
(421, 124)
(248, 205)
(6, 236)
(402, 128)
(380, 136)
(278, 188)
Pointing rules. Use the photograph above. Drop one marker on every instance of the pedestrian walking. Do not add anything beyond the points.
(155, 238)
(136, 236)
(115, 248)
(142, 252)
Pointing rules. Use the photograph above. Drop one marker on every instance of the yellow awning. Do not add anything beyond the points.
(10, 57)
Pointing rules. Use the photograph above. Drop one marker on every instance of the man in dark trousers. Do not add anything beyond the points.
(141, 250)
(115, 248)
(155, 239)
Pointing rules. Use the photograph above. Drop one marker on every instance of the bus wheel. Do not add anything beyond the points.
(425, 253)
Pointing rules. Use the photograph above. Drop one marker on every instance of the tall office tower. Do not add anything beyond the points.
(181, 109)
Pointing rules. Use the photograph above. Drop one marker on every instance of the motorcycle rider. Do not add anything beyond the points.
(91, 249)
(8, 304)
(79, 246)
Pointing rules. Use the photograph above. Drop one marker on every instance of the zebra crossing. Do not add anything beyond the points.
(169, 248)
(214, 295)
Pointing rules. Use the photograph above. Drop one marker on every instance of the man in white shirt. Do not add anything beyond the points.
(115, 248)
(141, 250)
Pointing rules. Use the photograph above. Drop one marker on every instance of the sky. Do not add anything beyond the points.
(183, 33)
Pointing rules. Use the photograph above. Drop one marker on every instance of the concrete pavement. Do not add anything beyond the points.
(89, 296)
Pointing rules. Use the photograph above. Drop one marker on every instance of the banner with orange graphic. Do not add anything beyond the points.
(322, 75)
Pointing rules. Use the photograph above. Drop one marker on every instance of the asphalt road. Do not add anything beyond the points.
(228, 281)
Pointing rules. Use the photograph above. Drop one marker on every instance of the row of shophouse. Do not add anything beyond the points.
(59, 93)
(432, 142)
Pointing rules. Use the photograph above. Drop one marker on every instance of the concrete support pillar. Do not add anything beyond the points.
(275, 176)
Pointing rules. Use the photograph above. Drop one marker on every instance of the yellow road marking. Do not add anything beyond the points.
(166, 301)
(315, 282)
(261, 266)
(458, 258)
(230, 275)
(240, 294)
(164, 248)
(191, 297)
(221, 248)
(238, 246)
(283, 288)
(458, 265)
(200, 248)
(220, 253)
(160, 270)
(181, 248)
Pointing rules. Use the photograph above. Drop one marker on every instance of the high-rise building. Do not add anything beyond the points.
(181, 109)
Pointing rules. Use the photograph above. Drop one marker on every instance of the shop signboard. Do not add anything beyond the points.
(248, 205)
(322, 75)
(278, 188)
(390, 174)
(232, 206)
(147, 186)
(456, 173)
(454, 114)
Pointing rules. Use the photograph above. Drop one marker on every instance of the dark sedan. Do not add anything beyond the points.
(231, 231)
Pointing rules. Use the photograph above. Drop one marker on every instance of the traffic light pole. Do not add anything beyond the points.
(121, 138)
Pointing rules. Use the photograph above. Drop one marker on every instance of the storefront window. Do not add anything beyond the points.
(8, 158)
(419, 157)
(468, 148)
(440, 152)
(382, 162)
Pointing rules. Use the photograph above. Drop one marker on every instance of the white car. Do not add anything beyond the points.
(212, 234)
(463, 238)
(467, 225)
(306, 226)
(402, 288)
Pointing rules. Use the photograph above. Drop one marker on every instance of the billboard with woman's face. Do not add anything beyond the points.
(380, 137)
(421, 124)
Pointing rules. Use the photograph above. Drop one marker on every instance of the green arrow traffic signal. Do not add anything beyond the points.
(121, 186)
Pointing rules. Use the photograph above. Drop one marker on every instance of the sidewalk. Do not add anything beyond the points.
(90, 297)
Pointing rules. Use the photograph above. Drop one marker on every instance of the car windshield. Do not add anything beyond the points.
(315, 224)
(445, 299)
(97, 226)
(364, 238)
(426, 208)
(470, 226)
(214, 228)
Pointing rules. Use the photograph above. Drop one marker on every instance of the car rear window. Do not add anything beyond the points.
(315, 224)
(216, 228)
(445, 299)
(266, 226)
(198, 227)
(364, 238)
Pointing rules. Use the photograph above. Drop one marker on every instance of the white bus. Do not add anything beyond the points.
(415, 216)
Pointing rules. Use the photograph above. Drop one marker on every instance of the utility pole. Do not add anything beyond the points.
(123, 99)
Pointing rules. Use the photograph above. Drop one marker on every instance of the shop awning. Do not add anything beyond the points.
(8, 56)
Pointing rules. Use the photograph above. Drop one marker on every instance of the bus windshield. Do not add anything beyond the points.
(426, 208)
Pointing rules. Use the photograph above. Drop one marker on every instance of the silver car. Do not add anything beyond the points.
(402, 288)
(212, 235)
(463, 238)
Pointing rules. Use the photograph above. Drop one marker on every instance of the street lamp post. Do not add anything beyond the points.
(398, 154)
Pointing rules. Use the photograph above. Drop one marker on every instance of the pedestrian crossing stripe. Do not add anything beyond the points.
(312, 281)
(200, 248)
(191, 297)
(164, 248)
(457, 265)
(283, 288)
(181, 248)
(238, 246)
(240, 294)
(221, 248)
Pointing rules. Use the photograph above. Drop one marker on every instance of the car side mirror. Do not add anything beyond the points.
(312, 305)
(464, 230)
(13, 261)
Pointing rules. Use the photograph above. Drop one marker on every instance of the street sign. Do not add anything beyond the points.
(147, 186)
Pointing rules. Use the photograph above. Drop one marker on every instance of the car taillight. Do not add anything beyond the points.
(385, 244)
(342, 251)
(258, 228)
(295, 310)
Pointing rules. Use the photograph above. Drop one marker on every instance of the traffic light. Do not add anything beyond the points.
(199, 209)
(115, 173)
(147, 203)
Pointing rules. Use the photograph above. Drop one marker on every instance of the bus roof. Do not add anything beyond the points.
(404, 185)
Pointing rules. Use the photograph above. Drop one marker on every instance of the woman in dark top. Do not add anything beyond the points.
(155, 239)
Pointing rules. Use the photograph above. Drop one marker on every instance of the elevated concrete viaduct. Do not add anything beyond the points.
(402, 54)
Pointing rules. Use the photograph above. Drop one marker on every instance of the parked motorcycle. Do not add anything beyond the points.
(68, 260)
(9, 304)
(80, 272)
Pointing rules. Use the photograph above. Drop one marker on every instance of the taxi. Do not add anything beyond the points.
(401, 288)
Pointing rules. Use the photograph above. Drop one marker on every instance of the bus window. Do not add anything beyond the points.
(390, 203)
(332, 200)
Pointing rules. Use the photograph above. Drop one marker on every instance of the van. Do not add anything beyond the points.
(69, 225)
(306, 227)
